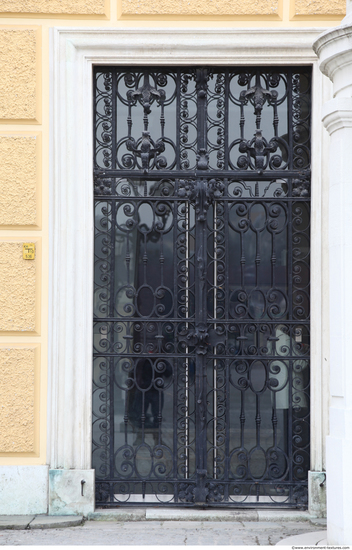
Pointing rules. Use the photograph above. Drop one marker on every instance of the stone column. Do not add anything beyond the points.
(334, 49)
(348, 11)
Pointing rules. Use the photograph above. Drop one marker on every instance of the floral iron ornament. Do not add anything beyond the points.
(201, 194)
(145, 147)
(146, 95)
(258, 148)
(259, 151)
(259, 96)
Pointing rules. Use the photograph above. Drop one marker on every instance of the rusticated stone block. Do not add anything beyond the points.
(18, 73)
(17, 367)
(320, 7)
(66, 7)
(18, 180)
(199, 7)
(17, 288)
(24, 490)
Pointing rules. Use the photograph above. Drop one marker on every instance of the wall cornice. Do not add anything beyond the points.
(176, 45)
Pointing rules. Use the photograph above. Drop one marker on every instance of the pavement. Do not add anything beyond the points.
(163, 527)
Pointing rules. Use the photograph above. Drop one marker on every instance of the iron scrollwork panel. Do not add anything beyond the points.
(201, 304)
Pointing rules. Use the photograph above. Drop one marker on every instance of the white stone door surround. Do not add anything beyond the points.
(334, 49)
(74, 51)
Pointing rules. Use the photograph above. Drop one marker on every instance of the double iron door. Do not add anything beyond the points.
(201, 297)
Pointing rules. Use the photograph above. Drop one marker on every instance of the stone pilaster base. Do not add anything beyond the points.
(68, 495)
(317, 494)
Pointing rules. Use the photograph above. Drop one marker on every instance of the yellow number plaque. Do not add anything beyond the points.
(28, 251)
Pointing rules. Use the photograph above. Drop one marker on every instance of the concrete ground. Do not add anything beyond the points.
(169, 532)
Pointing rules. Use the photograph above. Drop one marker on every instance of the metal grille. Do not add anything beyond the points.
(201, 299)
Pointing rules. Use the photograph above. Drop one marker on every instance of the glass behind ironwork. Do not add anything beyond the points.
(201, 293)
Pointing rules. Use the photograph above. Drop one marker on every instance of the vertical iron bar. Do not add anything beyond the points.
(215, 352)
(114, 119)
(112, 337)
(242, 418)
(200, 318)
(274, 420)
(258, 419)
(178, 119)
(289, 117)
(175, 362)
(275, 118)
(288, 419)
(227, 327)
(289, 225)
(273, 260)
(242, 121)
(200, 293)
(176, 315)
(112, 284)
(226, 119)
(289, 267)
(258, 111)
(187, 314)
(174, 419)
(95, 73)
(243, 259)
(257, 257)
(113, 276)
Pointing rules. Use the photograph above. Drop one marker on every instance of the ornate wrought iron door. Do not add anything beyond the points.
(201, 304)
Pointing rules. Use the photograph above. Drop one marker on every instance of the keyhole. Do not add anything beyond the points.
(82, 485)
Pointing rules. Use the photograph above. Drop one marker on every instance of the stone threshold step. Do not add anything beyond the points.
(190, 514)
(156, 514)
(39, 522)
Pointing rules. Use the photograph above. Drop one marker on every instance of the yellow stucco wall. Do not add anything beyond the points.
(18, 73)
(79, 7)
(17, 289)
(18, 179)
(199, 7)
(319, 7)
(25, 171)
(17, 408)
